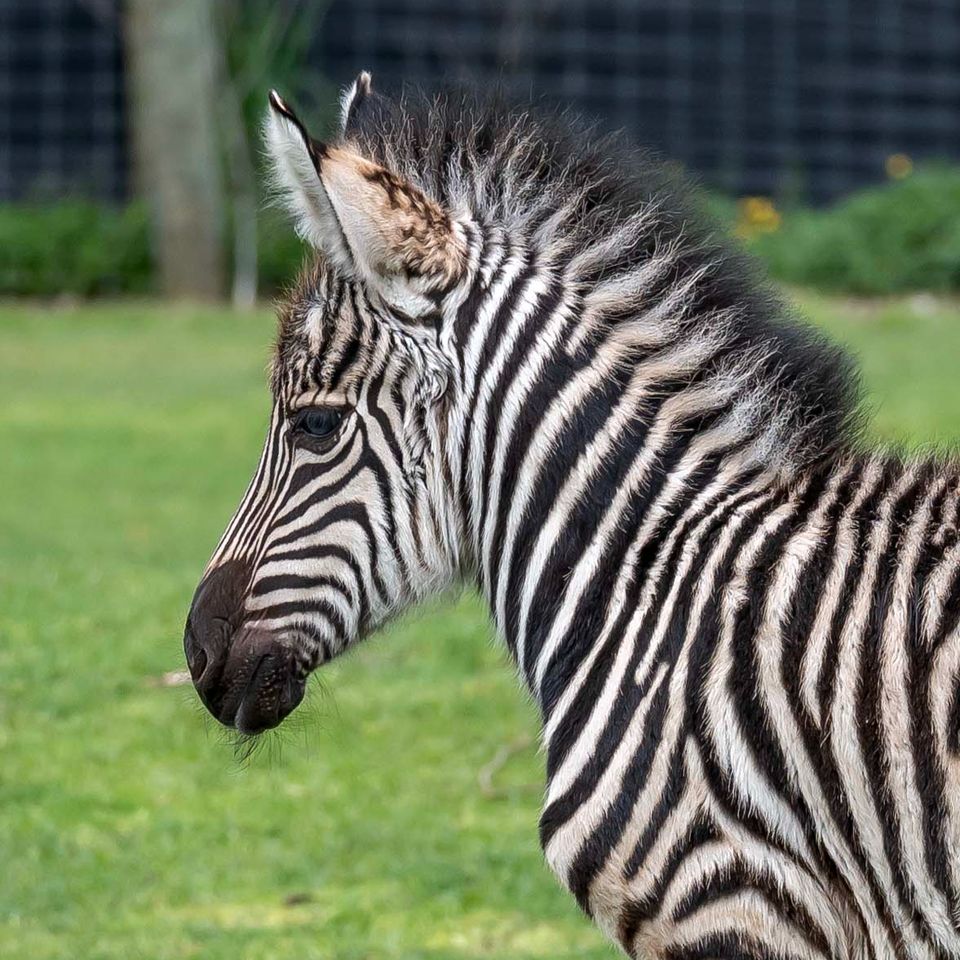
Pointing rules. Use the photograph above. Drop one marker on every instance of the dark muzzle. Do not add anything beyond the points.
(245, 676)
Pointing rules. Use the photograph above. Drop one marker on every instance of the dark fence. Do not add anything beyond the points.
(62, 106)
(800, 97)
(757, 96)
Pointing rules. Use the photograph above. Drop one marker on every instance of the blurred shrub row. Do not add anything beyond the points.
(73, 248)
(904, 235)
(80, 248)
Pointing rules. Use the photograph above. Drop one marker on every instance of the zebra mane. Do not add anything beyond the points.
(632, 234)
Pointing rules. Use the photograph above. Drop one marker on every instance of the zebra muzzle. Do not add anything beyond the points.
(246, 677)
(270, 682)
(259, 685)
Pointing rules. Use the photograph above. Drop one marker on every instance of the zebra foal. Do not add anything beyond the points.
(518, 359)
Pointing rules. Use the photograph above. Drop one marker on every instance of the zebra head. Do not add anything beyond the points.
(347, 518)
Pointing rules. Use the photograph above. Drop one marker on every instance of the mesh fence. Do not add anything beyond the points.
(804, 97)
(799, 97)
(62, 109)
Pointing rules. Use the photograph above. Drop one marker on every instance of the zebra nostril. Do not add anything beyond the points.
(196, 652)
(198, 665)
(216, 607)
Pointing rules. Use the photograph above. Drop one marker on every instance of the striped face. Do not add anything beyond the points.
(345, 520)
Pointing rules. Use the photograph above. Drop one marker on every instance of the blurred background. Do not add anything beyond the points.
(397, 816)
(135, 125)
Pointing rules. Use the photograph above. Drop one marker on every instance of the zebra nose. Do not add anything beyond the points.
(205, 658)
(214, 615)
(262, 681)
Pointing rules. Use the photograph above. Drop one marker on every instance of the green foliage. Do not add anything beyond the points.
(73, 247)
(904, 235)
(127, 829)
(267, 44)
(281, 251)
(80, 248)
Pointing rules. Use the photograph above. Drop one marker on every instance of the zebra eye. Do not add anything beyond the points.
(319, 422)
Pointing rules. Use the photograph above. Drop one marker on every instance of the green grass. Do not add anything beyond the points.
(127, 827)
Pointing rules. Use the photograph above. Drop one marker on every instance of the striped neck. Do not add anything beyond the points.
(578, 445)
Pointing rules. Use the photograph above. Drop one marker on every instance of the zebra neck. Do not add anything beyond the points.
(596, 401)
(567, 550)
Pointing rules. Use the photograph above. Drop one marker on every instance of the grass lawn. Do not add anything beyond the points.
(127, 827)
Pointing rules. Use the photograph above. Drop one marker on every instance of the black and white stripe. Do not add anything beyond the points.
(741, 629)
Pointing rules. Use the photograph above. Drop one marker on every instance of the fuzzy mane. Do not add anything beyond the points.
(540, 172)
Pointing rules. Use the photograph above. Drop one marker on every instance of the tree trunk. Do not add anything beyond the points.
(171, 64)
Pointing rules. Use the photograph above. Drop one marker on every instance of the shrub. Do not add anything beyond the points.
(904, 235)
(85, 249)
(280, 253)
(74, 247)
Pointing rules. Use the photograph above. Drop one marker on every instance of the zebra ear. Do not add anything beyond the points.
(354, 101)
(363, 108)
(296, 159)
(372, 223)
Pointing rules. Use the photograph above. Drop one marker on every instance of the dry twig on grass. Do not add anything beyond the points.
(489, 770)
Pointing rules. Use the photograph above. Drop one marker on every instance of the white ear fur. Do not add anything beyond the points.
(353, 96)
(371, 223)
(296, 179)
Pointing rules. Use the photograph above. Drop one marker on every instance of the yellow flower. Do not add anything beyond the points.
(898, 166)
(756, 215)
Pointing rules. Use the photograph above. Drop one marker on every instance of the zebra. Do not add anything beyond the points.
(521, 357)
